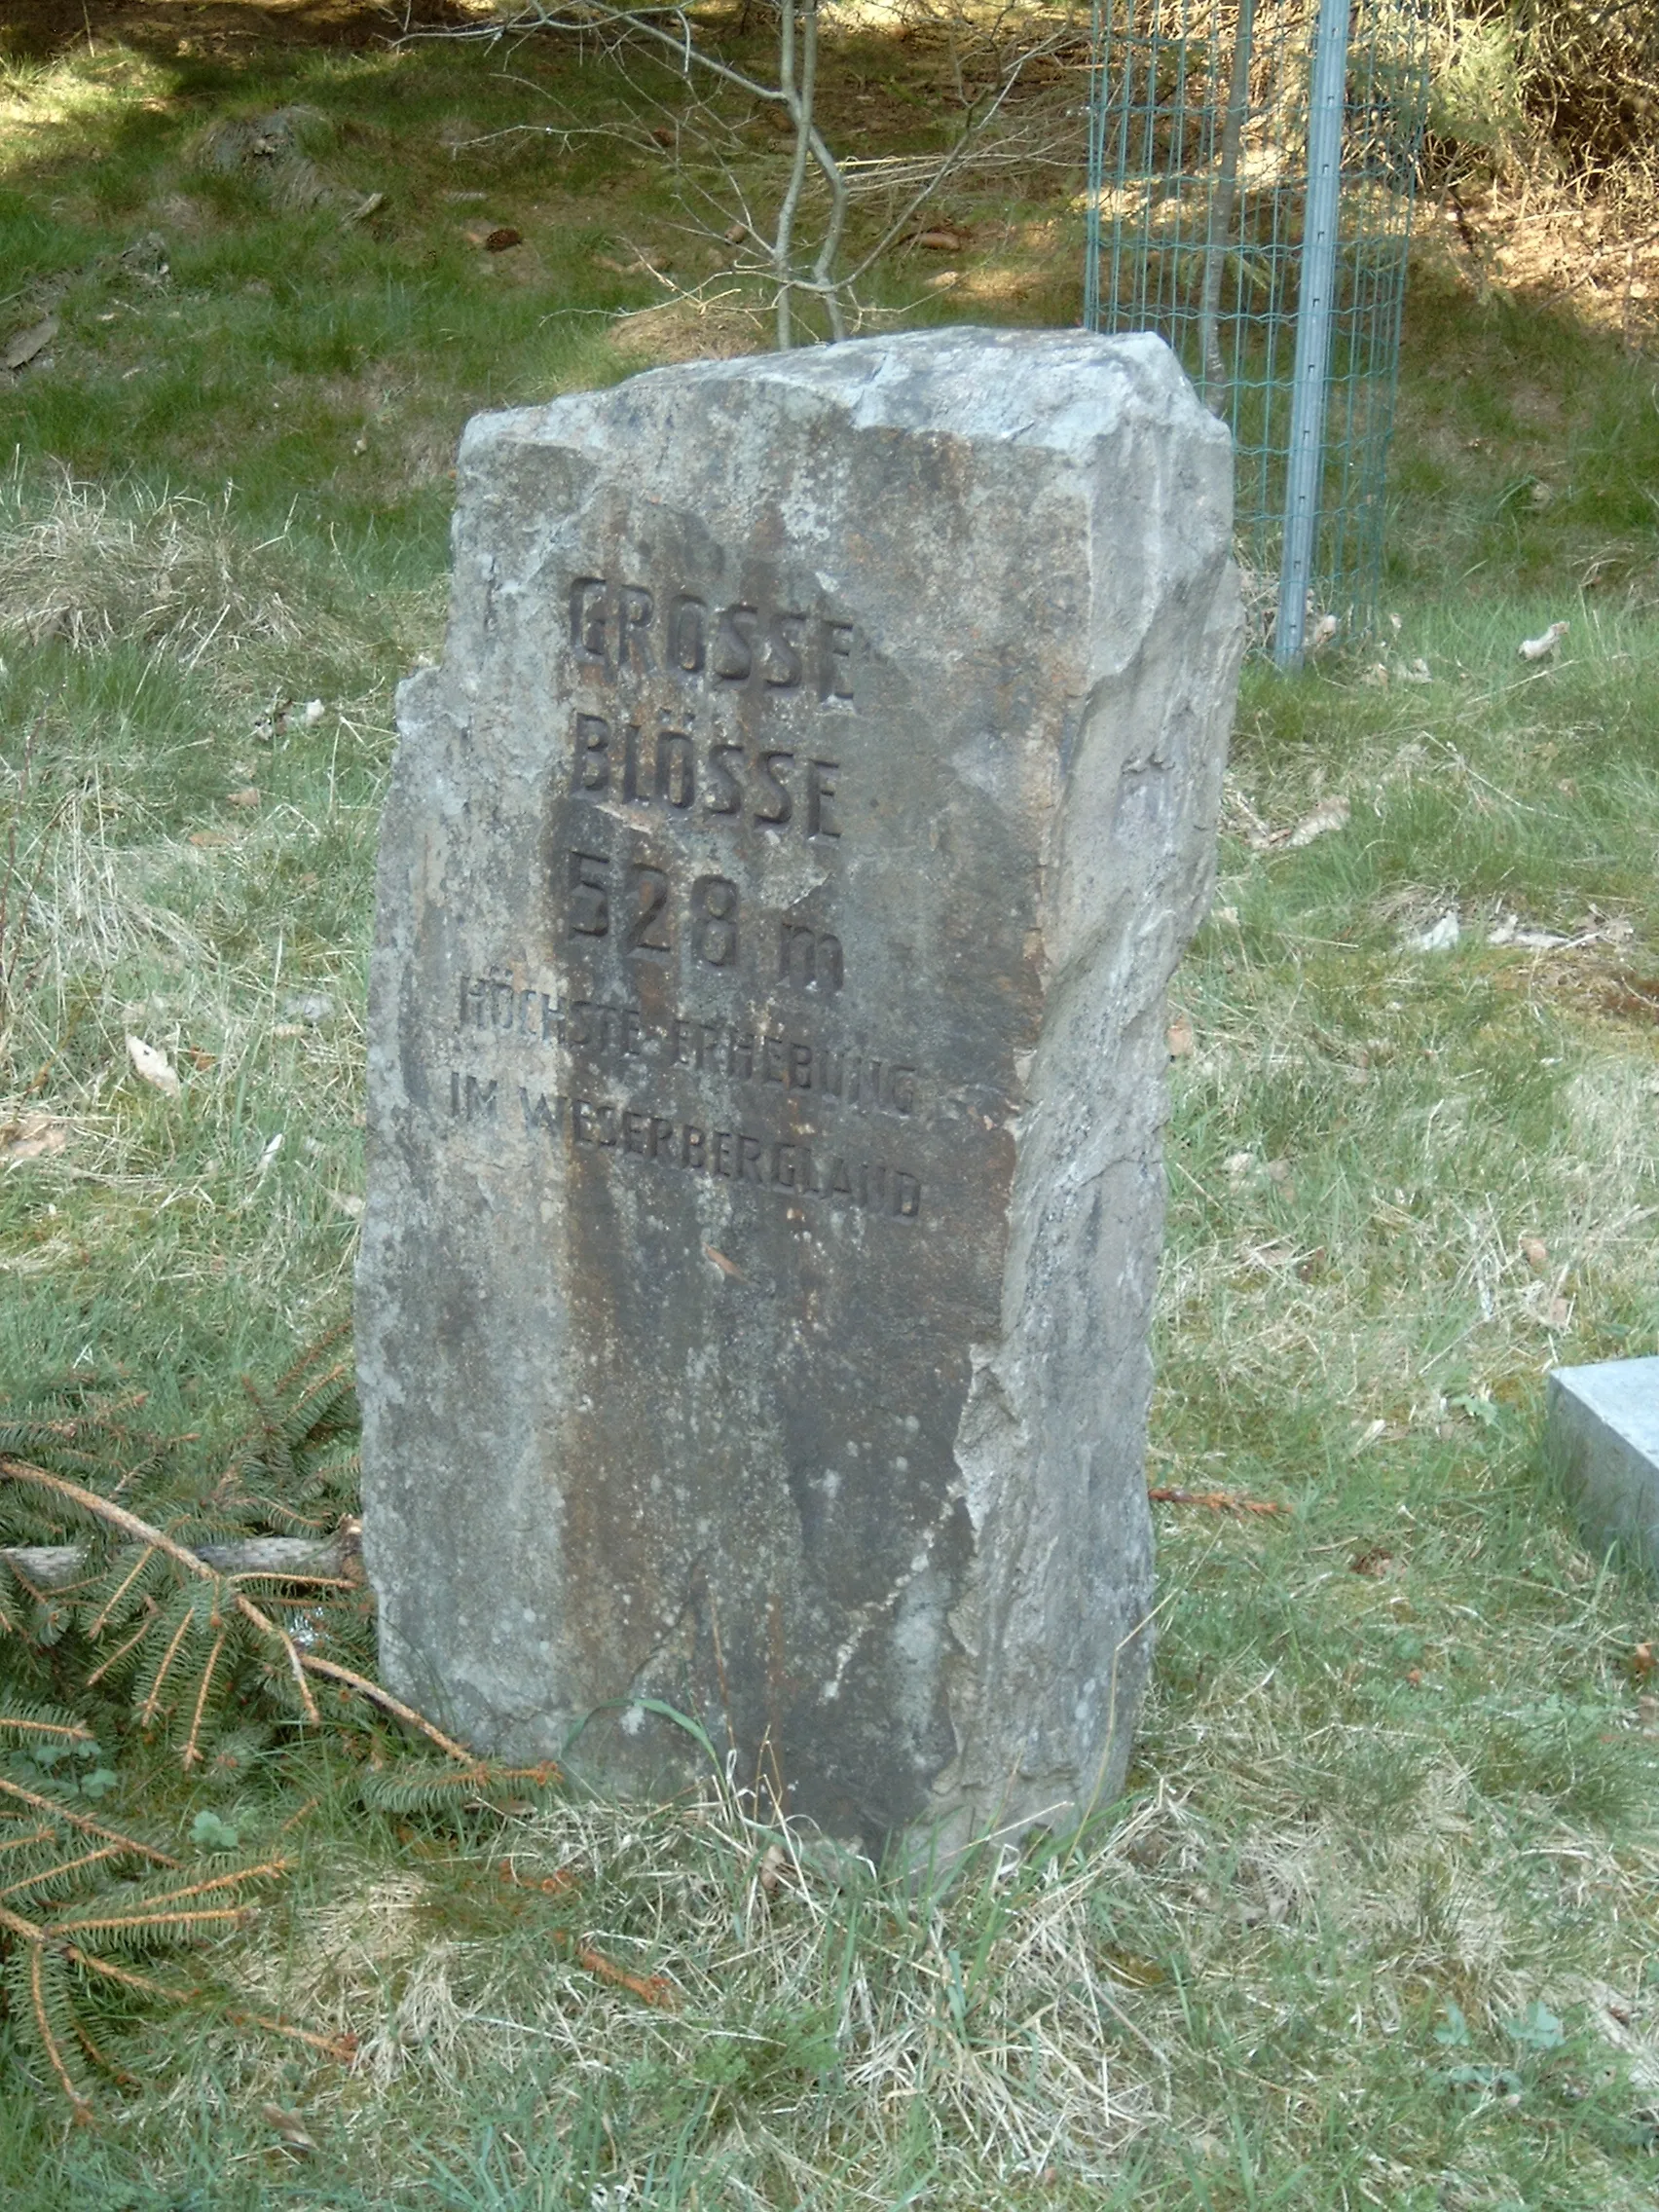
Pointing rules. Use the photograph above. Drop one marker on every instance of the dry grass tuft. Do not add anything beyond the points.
(821, 2021)
(96, 567)
(689, 328)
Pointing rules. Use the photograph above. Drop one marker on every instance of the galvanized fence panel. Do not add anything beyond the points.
(1252, 171)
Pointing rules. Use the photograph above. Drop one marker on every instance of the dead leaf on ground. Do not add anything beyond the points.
(35, 1137)
(1376, 1561)
(153, 1066)
(22, 349)
(291, 2128)
(1537, 1253)
(725, 1266)
(560, 1883)
(1642, 1660)
(942, 237)
(774, 1868)
(248, 795)
(207, 838)
(1179, 1037)
(1633, 996)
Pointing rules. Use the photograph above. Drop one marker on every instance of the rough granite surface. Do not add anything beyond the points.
(778, 890)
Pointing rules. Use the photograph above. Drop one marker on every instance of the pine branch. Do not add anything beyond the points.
(144, 1922)
(153, 1702)
(23, 1842)
(169, 1574)
(128, 1979)
(85, 1822)
(24, 1720)
(120, 1653)
(140, 1533)
(389, 1704)
(97, 1627)
(266, 1872)
(48, 2043)
(42, 1881)
(193, 1742)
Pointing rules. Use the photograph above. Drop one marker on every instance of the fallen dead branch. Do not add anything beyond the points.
(280, 1559)
(1214, 1500)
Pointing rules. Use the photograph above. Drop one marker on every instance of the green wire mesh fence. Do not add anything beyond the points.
(1252, 171)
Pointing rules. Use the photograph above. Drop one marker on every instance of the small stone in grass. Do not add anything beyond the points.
(1439, 936)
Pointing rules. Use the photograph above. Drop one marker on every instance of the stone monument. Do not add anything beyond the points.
(778, 890)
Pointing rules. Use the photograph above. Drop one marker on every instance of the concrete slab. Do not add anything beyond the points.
(1601, 1437)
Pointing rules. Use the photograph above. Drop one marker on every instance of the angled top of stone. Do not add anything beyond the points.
(1060, 390)
(1624, 1393)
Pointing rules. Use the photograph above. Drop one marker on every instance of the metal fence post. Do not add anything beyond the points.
(1311, 377)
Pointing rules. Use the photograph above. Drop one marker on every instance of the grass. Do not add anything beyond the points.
(1375, 1923)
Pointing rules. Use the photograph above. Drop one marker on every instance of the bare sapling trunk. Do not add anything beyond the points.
(796, 273)
(1223, 203)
